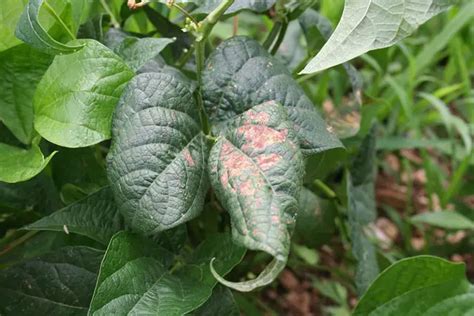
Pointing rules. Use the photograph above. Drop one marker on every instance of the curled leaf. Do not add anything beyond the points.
(256, 169)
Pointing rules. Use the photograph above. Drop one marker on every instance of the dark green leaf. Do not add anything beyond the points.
(241, 74)
(136, 52)
(220, 303)
(257, 170)
(411, 286)
(157, 162)
(461, 305)
(75, 99)
(155, 289)
(362, 211)
(32, 32)
(96, 217)
(444, 219)
(18, 164)
(21, 68)
(58, 283)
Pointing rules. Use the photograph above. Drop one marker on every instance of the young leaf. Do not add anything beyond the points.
(444, 219)
(372, 24)
(10, 12)
(155, 289)
(21, 68)
(157, 162)
(411, 286)
(96, 217)
(32, 32)
(58, 283)
(257, 170)
(136, 52)
(17, 164)
(362, 211)
(75, 99)
(240, 74)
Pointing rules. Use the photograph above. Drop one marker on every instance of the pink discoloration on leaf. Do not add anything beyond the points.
(187, 156)
(268, 161)
(253, 117)
(259, 137)
(275, 219)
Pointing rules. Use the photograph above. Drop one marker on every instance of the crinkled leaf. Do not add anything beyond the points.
(444, 219)
(10, 12)
(136, 52)
(366, 25)
(411, 286)
(157, 162)
(32, 32)
(18, 164)
(362, 211)
(96, 217)
(155, 289)
(21, 68)
(58, 283)
(256, 170)
(240, 74)
(75, 99)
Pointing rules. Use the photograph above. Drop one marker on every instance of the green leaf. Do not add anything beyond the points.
(240, 74)
(136, 52)
(411, 286)
(206, 6)
(32, 32)
(220, 303)
(461, 305)
(18, 164)
(21, 68)
(75, 99)
(315, 221)
(157, 162)
(362, 210)
(256, 170)
(444, 219)
(10, 13)
(58, 283)
(157, 290)
(366, 25)
(96, 217)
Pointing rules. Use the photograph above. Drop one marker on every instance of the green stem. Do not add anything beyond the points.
(325, 189)
(107, 9)
(186, 14)
(272, 35)
(205, 26)
(18, 242)
(281, 36)
(59, 20)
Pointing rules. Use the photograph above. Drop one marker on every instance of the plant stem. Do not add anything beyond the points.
(18, 242)
(325, 189)
(205, 26)
(272, 35)
(107, 9)
(59, 20)
(185, 13)
(281, 36)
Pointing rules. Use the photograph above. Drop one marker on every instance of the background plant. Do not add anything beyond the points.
(219, 159)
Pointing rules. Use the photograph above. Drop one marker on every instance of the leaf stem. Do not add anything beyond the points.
(18, 242)
(107, 9)
(325, 189)
(272, 35)
(58, 19)
(281, 36)
(184, 12)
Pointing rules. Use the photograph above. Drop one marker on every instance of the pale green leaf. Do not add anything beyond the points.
(10, 12)
(366, 25)
(444, 219)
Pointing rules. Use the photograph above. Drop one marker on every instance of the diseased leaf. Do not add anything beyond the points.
(96, 217)
(32, 32)
(58, 283)
(21, 68)
(155, 289)
(157, 162)
(444, 219)
(240, 74)
(362, 211)
(256, 170)
(411, 286)
(75, 99)
(18, 164)
(136, 52)
(10, 12)
(366, 25)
